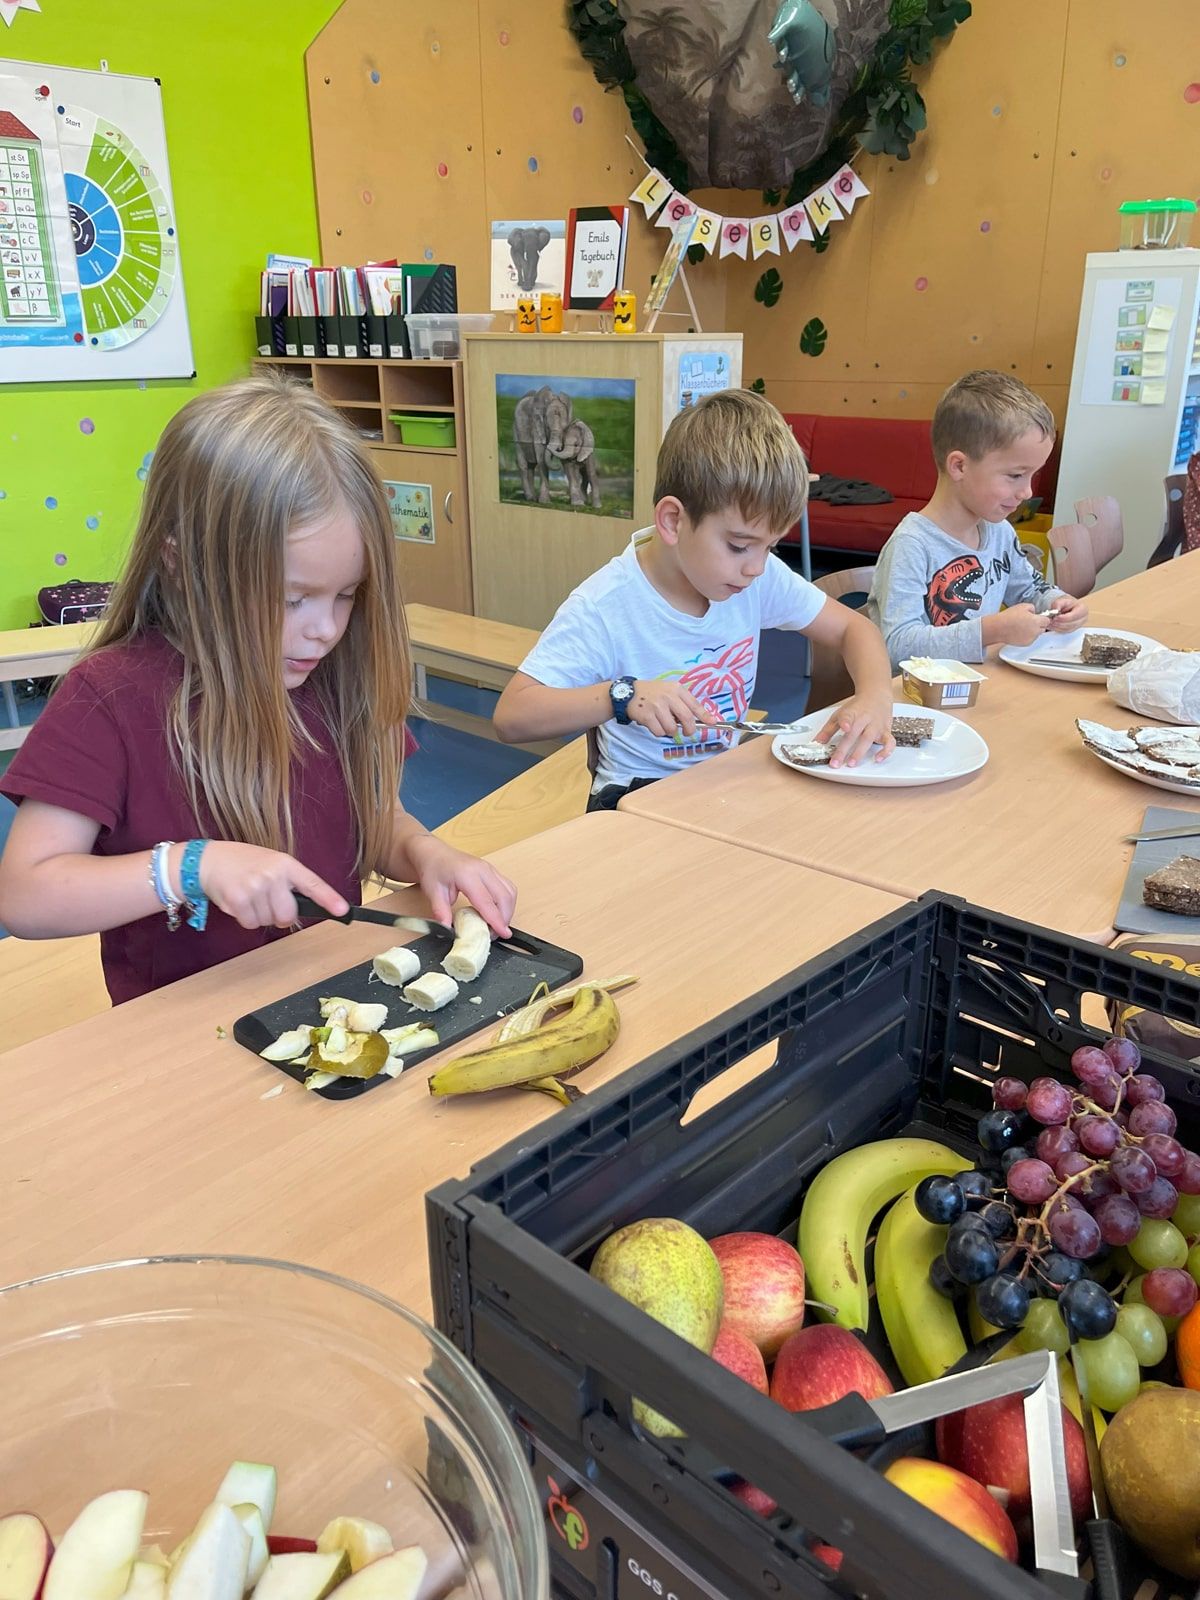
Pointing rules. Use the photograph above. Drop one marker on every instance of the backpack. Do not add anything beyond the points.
(74, 601)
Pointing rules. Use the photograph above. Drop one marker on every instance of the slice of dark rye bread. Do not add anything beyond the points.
(912, 731)
(1175, 887)
(1105, 650)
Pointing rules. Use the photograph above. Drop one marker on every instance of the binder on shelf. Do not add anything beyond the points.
(396, 338)
(350, 337)
(268, 336)
(306, 336)
(330, 335)
(429, 287)
(375, 336)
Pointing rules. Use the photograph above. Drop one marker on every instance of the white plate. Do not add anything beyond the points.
(955, 751)
(1151, 778)
(1068, 646)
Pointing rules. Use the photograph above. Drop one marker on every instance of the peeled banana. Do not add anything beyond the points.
(472, 946)
(554, 1051)
(921, 1325)
(843, 1200)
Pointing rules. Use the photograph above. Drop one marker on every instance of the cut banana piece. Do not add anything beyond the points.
(471, 948)
(398, 966)
(431, 991)
(366, 1018)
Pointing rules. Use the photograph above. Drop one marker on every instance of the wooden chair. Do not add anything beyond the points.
(830, 680)
(1082, 549)
(1171, 542)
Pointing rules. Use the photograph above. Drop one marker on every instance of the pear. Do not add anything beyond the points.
(1151, 1461)
(667, 1270)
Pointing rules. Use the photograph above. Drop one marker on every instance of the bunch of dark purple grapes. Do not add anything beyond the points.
(1040, 1218)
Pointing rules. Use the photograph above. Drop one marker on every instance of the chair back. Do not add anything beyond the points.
(830, 680)
(1101, 515)
(1171, 542)
(1073, 559)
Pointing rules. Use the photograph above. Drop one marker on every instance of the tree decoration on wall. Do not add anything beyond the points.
(705, 96)
(9, 8)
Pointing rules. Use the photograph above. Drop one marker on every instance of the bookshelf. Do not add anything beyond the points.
(366, 393)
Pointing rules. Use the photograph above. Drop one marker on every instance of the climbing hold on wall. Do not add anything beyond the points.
(375, 77)
(442, 169)
(577, 113)
(367, 197)
(932, 176)
(87, 425)
(429, 252)
(51, 503)
(60, 560)
(1120, 60)
(92, 524)
(532, 163)
(985, 226)
(921, 285)
(1192, 94)
(996, 110)
(503, 36)
(142, 474)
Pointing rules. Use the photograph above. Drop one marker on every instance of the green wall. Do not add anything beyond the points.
(236, 114)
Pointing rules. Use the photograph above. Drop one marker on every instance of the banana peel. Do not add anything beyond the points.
(541, 1058)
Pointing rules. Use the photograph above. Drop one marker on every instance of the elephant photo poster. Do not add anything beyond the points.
(528, 258)
(566, 443)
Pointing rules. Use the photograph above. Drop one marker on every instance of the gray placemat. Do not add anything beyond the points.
(1133, 914)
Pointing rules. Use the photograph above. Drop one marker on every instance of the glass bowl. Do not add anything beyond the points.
(157, 1373)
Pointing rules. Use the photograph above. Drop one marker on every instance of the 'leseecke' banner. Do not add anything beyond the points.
(758, 236)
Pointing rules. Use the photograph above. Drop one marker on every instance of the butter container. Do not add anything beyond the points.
(943, 684)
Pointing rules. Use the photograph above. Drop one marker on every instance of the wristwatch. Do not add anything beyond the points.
(620, 692)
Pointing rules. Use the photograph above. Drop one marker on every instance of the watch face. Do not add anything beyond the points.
(622, 691)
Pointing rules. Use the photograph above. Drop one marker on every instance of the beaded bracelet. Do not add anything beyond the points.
(189, 880)
(161, 883)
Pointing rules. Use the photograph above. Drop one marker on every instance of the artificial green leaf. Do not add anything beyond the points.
(813, 336)
(772, 197)
(769, 287)
(820, 242)
(904, 13)
(695, 254)
(759, 386)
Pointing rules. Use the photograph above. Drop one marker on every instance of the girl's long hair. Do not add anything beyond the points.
(236, 471)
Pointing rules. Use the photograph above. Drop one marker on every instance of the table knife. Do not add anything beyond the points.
(1067, 661)
(386, 919)
(1184, 831)
(854, 1421)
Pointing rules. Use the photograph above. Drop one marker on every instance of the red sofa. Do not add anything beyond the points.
(893, 452)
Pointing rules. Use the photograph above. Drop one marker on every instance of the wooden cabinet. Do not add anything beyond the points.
(435, 568)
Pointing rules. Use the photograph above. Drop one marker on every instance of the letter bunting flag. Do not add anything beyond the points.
(738, 236)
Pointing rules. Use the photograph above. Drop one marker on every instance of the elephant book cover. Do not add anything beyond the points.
(566, 443)
(528, 258)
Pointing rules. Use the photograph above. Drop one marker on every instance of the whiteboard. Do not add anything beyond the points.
(90, 279)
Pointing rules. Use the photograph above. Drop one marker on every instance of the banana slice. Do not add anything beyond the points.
(471, 948)
(431, 991)
(398, 966)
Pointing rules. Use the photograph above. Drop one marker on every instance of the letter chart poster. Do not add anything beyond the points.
(90, 282)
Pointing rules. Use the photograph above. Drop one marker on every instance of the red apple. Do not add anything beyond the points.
(957, 1498)
(819, 1364)
(281, 1544)
(757, 1499)
(987, 1442)
(764, 1287)
(741, 1355)
(25, 1551)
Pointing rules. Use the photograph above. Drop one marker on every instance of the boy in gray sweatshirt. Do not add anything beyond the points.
(947, 569)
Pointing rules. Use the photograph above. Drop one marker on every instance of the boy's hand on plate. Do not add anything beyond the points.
(864, 720)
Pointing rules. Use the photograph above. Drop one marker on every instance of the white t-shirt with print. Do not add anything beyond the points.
(616, 624)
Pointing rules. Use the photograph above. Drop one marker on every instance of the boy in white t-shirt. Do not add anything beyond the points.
(659, 649)
(948, 569)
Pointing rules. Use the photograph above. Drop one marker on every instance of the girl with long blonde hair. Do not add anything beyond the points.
(234, 734)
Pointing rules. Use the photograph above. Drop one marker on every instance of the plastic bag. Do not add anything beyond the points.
(1164, 684)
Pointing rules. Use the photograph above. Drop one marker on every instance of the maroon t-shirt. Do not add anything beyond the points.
(100, 749)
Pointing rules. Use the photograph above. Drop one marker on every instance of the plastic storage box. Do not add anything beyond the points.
(900, 1029)
(438, 335)
(422, 428)
(1156, 224)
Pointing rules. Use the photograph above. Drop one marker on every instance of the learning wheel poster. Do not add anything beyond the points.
(90, 283)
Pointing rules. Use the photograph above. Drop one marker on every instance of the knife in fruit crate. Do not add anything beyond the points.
(386, 919)
(854, 1421)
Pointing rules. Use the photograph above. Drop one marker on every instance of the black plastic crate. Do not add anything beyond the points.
(901, 1028)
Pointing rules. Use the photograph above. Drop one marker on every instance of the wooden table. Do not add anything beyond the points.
(142, 1131)
(1036, 833)
(1170, 591)
(35, 653)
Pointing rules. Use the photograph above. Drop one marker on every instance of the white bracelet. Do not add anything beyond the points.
(162, 883)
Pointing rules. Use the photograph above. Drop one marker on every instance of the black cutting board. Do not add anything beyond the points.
(515, 968)
(1133, 914)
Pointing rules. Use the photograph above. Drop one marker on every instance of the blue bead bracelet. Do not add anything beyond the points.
(189, 882)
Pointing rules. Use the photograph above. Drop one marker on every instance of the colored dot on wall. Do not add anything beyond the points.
(932, 176)
(92, 524)
(428, 252)
(503, 37)
(442, 169)
(1105, 174)
(3, 494)
(375, 77)
(142, 474)
(985, 227)
(921, 283)
(532, 163)
(1192, 94)
(577, 113)
(1119, 60)
(996, 110)
(367, 197)
(87, 425)
(51, 503)
(148, 458)
(60, 560)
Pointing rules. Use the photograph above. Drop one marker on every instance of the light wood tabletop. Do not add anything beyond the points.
(1035, 833)
(1170, 591)
(142, 1131)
